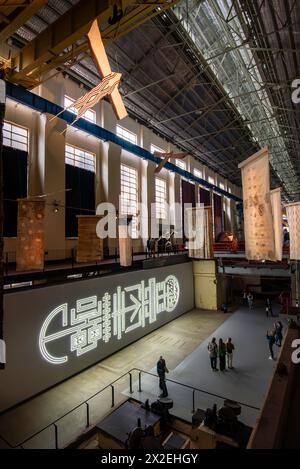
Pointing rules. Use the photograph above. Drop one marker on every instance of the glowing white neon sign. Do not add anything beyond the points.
(113, 315)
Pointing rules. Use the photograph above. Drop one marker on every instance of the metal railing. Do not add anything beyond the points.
(86, 403)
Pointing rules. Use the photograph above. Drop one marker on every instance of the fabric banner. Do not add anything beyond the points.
(258, 220)
(293, 215)
(125, 244)
(277, 221)
(30, 239)
(89, 247)
(218, 215)
(200, 231)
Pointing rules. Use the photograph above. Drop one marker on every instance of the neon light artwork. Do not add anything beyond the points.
(114, 315)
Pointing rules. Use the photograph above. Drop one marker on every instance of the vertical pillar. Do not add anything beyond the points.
(110, 163)
(47, 176)
(2, 113)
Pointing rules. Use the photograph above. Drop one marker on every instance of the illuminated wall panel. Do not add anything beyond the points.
(68, 327)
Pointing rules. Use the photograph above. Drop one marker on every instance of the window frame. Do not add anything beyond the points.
(122, 131)
(9, 141)
(132, 195)
(86, 165)
(160, 205)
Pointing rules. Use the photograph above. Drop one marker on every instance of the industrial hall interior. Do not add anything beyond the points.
(149, 224)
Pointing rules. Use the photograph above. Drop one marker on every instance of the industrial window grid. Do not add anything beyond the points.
(126, 134)
(198, 173)
(129, 195)
(160, 198)
(75, 156)
(15, 136)
(154, 148)
(181, 164)
(89, 115)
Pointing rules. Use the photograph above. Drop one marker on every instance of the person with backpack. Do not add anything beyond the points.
(213, 353)
(278, 333)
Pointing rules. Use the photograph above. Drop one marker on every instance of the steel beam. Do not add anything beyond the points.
(28, 9)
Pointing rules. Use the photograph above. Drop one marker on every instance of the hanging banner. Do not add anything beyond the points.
(208, 233)
(195, 233)
(258, 220)
(200, 232)
(125, 243)
(89, 247)
(30, 240)
(293, 215)
(275, 196)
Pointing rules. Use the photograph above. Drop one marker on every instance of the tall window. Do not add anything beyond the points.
(126, 134)
(154, 148)
(15, 136)
(160, 198)
(89, 115)
(80, 158)
(198, 173)
(222, 186)
(211, 180)
(129, 195)
(181, 164)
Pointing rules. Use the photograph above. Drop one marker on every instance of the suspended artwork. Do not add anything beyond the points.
(293, 215)
(258, 220)
(30, 239)
(109, 84)
(200, 232)
(90, 246)
(125, 243)
(277, 221)
(166, 157)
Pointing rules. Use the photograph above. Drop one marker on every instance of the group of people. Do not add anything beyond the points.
(221, 351)
(275, 337)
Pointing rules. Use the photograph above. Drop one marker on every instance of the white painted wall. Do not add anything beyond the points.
(46, 166)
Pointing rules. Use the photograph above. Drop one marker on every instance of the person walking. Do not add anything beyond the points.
(271, 339)
(245, 297)
(250, 300)
(222, 355)
(161, 371)
(269, 307)
(278, 333)
(229, 351)
(213, 353)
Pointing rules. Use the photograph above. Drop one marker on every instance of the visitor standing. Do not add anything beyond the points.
(278, 333)
(250, 300)
(222, 355)
(271, 340)
(213, 353)
(229, 351)
(269, 307)
(161, 371)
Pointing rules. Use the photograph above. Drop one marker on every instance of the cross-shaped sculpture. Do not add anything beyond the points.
(166, 157)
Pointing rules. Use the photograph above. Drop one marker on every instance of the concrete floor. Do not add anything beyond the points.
(175, 341)
(183, 342)
(246, 383)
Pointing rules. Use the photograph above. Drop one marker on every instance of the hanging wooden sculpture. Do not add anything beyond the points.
(166, 157)
(293, 216)
(90, 246)
(30, 240)
(125, 243)
(200, 225)
(109, 84)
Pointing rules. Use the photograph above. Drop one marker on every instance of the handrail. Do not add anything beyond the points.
(129, 373)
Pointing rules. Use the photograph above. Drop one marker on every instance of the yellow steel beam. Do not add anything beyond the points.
(70, 27)
(28, 10)
(34, 74)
